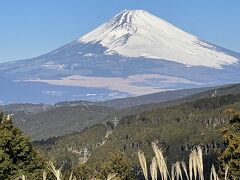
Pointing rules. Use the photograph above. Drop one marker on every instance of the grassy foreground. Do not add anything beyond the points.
(158, 168)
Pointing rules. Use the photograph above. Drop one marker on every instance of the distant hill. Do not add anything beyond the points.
(176, 128)
(140, 100)
(26, 108)
(156, 98)
(211, 92)
(153, 98)
(61, 120)
(176, 125)
(44, 121)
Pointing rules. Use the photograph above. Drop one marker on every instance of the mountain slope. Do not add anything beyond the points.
(59, 121)
(161, 97)
(176, 129)
(133, 54)
(136, 33)
(42, 122)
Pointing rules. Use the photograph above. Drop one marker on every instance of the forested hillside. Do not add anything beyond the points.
(176, 129)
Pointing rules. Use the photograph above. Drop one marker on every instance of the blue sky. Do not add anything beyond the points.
(29, 28)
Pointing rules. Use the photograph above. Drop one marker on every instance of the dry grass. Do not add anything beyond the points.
(162, 166)
(196, 164)
(58, 175)
(24, 177)
(143, 164)
(176, 172)
(184, 166)
(56, 172)
(226, 172)
(71, 177)
(154, 169)
(213, 175)
(179, 170)
(113, 177)
(44, 175)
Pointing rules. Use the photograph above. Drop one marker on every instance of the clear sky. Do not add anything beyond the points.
(29, 28)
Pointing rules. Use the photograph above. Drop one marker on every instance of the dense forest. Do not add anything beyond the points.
(114, 146)
(20, 160)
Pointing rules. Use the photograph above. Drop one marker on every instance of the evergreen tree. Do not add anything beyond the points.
(119, 165)
(83, 172)
(230, 156)
(17, 155)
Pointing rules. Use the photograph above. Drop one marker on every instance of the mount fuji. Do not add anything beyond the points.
(134, 53)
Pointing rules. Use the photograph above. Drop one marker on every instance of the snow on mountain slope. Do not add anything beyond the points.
(134, 53)
(136, 33)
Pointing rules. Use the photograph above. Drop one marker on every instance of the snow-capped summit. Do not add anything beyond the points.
(134, 53)
(137, 33)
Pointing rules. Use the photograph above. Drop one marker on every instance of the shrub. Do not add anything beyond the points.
(230, 156)
(17, 155)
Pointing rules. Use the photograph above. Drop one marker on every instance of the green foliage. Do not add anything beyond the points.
(119, 165)
(17, 156)
(64, 120)
(230, 156)
(60, 148)
(176, 128)
(83, 172)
